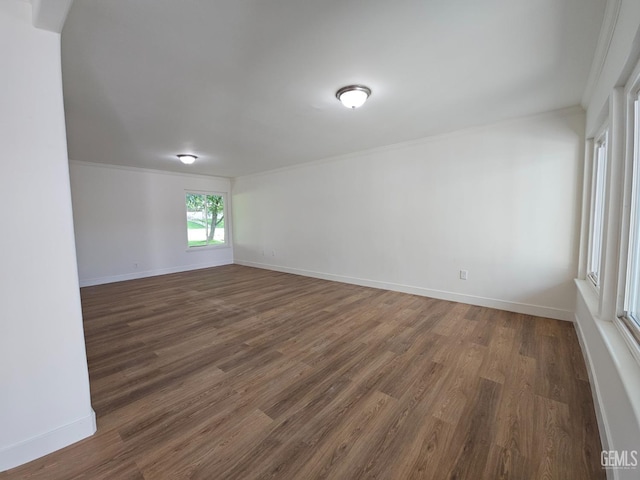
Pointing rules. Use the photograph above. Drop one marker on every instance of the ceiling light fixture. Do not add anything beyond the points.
(187, 158)
(353, 96)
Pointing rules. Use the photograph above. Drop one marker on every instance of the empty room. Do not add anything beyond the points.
(301, 240)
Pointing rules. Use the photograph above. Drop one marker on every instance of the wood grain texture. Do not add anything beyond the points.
(239, 373)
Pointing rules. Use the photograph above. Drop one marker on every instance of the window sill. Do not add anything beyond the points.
(590, 295)
(207, 247)
(628, 338)
(625, 361)
(591, 298)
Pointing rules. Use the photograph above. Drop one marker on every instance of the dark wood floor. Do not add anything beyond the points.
(240, 373)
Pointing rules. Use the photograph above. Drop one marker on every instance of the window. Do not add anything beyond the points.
(597, 209)
(631, 317)
(205, 219)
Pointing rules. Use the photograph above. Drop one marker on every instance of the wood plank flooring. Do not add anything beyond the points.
(239, 373)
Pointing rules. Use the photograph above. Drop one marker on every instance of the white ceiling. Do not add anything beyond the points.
(249, 85)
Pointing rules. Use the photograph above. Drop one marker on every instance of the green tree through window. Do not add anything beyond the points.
(205, 219)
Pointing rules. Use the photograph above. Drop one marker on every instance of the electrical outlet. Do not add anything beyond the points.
(464, 274)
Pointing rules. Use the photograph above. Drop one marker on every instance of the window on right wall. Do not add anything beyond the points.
(596, 230)
(631, 316)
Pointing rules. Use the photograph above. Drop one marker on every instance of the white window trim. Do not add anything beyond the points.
(630, 236)
(227, 230)
(633, 246)
(599, 168)
(628, 337)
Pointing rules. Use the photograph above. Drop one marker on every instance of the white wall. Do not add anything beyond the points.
(501, 201)
(126, 216)
(44, 386)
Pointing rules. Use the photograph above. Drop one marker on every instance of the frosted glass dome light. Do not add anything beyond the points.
(353, 96)
(187, 159)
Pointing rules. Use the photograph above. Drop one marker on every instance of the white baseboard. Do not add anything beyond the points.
(90, 282)
(527, 309)
(36, 447)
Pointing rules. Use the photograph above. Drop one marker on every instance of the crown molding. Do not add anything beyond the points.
(50, 14)
(611, 14)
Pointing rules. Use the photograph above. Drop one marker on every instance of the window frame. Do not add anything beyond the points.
(599, 169)
(628, 322)
(211, 246)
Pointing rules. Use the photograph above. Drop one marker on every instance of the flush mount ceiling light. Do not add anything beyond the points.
(187, 158)
(353, 96)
